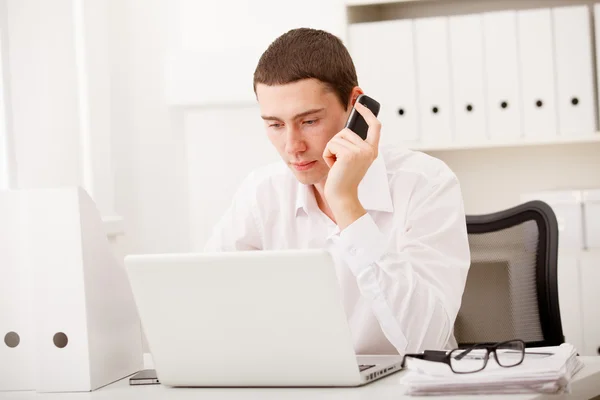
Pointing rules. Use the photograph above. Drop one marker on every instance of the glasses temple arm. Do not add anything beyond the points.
(419, 356)
(466, 351)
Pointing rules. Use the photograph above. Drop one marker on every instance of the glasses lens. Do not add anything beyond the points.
(464, 361)
(511, 353)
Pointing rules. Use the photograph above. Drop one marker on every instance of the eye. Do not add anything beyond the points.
(276, 126)
(310, 122)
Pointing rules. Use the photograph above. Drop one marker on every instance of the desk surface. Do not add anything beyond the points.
(585, 385)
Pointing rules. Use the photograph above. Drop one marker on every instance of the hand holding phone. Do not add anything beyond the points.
(356, 123)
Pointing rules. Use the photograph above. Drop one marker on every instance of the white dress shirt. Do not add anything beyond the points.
(402, 267)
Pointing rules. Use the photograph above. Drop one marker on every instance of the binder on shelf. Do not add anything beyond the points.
(433, 80)
(536, 55)
(570, 305)
(466, 50)
(17, 345)
(591, 217)
(590, 276)
(83, 322)
(386, 71)
(502, 75)
(597, 41)
(574, 71)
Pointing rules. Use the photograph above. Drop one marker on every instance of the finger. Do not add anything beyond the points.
(346, 143)
(335, 149)
(374, 125)
(328, 156)
(344, 149)
(352, 137)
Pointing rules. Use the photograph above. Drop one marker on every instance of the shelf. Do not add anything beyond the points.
(352, 3)
(359, 11)
(493, 144)
(530, 3)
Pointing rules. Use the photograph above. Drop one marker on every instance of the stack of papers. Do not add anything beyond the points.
(544, 370)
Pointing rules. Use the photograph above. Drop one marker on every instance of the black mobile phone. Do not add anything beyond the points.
(144, 377)
(356, 123)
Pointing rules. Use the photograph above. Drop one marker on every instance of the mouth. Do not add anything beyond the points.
(303, 166)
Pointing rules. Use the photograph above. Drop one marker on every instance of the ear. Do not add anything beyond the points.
(356, 91)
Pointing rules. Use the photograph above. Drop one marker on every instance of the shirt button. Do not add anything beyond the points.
(354, 251)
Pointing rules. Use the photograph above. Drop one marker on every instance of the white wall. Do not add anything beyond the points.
(494, 179)
(59, 116)
(223, 145)
(148, 142)
(98, 107)
(88, 109)
(7, 164)
(214, 46)
(44, 93)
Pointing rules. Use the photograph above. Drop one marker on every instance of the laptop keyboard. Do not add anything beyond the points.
(363, 367)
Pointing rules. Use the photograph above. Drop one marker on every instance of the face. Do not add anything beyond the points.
(300, 118)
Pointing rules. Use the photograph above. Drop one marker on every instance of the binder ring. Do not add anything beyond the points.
(12, 339)
(60, 340)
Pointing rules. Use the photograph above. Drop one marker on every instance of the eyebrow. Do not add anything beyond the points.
(302, 114)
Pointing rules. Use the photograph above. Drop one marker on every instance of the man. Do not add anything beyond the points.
(392, 218)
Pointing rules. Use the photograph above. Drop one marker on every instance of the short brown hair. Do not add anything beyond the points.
(306, 53)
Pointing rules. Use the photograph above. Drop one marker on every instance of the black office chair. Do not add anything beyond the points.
(512, 288)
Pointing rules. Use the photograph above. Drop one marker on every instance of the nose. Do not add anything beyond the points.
(294, 142)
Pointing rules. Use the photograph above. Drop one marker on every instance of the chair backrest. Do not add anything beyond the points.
(512, 288)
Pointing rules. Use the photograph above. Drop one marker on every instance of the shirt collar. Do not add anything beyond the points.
(302, 198)
(373, 191)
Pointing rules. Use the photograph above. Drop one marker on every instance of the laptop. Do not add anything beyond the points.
(250, 318)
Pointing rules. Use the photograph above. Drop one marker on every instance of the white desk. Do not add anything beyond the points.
(585, 385)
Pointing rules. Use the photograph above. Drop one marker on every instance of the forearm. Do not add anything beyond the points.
(414, 290)
(410, 310)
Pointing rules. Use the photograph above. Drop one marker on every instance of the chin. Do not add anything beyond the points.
(309, 178)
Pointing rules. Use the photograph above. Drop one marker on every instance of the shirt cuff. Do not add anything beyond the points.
(362, 244)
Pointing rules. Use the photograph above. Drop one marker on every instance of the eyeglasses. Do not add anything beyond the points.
(473, 359)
